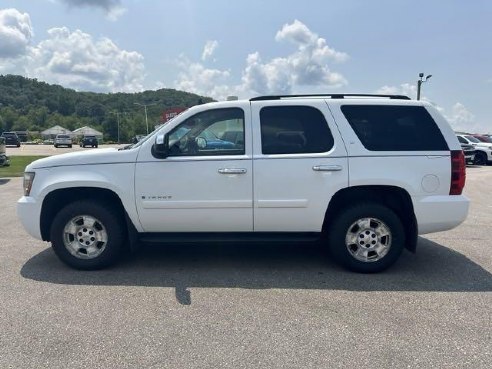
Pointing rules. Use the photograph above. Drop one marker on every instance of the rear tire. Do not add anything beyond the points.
(366, 238)
(88, 235)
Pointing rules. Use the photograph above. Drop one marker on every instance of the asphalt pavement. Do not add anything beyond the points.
(250, 306)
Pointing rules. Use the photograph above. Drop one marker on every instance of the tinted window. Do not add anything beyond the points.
(395, 128)
(462, 140)
(472, 139)
(212, 132)
(294, 130)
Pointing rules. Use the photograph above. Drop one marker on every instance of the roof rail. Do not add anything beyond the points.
(332, 96)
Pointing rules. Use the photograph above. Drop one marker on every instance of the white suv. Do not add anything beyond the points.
(364, 175)
(62, 140)
(483, 150)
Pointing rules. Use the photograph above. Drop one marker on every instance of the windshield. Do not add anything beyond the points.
(472, 139)
(484, 139)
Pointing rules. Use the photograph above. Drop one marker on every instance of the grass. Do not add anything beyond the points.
(17, 166)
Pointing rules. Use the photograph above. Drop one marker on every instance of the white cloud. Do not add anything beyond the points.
(406, 89)
(196, 78)
(209, 49)
(307, 66)
(76, 60)
(308, 41)
(15, 33)
(461, 118)
(112, 8)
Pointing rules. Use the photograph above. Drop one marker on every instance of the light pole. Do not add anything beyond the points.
(420, 81)
(118, 120)
(145, 107)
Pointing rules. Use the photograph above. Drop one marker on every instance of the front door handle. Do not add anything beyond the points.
(232, 171)
(327, 168)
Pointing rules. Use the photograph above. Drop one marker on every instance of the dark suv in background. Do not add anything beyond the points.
(89, 141)
(11, 139)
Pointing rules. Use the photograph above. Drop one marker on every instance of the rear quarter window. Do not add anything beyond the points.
(395, 128)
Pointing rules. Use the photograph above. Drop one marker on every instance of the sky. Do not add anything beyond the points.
(249, 48)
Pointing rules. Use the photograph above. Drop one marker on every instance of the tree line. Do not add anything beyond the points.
(27, 104)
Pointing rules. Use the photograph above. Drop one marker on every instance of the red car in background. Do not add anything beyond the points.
(483, 138)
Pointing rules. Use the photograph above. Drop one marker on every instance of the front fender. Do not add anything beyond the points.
(118, 178)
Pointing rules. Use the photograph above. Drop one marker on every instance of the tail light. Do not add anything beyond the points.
(458, 172)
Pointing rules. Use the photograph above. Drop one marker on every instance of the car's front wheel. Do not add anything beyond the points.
(480, 158)
(366, 238)
(87, 235)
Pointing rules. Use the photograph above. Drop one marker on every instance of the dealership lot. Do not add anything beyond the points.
(244, 306)
(47, 150)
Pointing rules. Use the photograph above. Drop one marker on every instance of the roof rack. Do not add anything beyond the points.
(333, 96)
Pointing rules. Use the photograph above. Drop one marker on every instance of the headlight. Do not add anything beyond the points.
(28, 179)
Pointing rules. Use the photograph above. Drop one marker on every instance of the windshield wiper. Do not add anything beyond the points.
(127, 147)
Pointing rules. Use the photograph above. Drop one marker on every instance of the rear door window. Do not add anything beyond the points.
(395, 128)
(294, 130)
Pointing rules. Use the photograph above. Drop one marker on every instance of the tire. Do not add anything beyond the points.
(56, 146)
(69, 146)
(95, 146)
(101, 231)
(378, 234)
(480, 158)
(18, 145)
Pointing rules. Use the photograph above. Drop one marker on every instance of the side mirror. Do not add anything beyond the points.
(160, 149)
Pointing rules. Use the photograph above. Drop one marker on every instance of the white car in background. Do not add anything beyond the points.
(63, 140)
(483, 150)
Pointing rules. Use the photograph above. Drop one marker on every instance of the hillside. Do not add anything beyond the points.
(28, 104)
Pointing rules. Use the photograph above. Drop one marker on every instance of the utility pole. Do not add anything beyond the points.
(118, 120)
(420, 81)
(145, 107)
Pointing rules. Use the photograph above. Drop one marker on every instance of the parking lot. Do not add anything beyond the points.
(47, 150)
(249, 306)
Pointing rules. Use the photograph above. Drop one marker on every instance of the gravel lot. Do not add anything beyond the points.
(261, 306)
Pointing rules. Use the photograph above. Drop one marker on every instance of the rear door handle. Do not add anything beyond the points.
(232, 170)
(327, 168)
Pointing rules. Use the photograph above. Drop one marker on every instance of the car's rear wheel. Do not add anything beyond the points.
(87, 235)
(366, 238)
(480, 158)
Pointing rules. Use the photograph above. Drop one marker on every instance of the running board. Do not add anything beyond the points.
(202, 237)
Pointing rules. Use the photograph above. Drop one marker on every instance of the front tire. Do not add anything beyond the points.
(87, 235)
(366, 238)
(480, 158)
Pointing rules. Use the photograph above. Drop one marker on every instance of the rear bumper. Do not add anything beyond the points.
(440, 213)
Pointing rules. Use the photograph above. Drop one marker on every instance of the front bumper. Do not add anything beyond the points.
(29, 214)
(4, 160)
(470, 157)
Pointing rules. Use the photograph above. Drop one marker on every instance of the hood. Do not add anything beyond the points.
(483, 144)
(89, 157)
